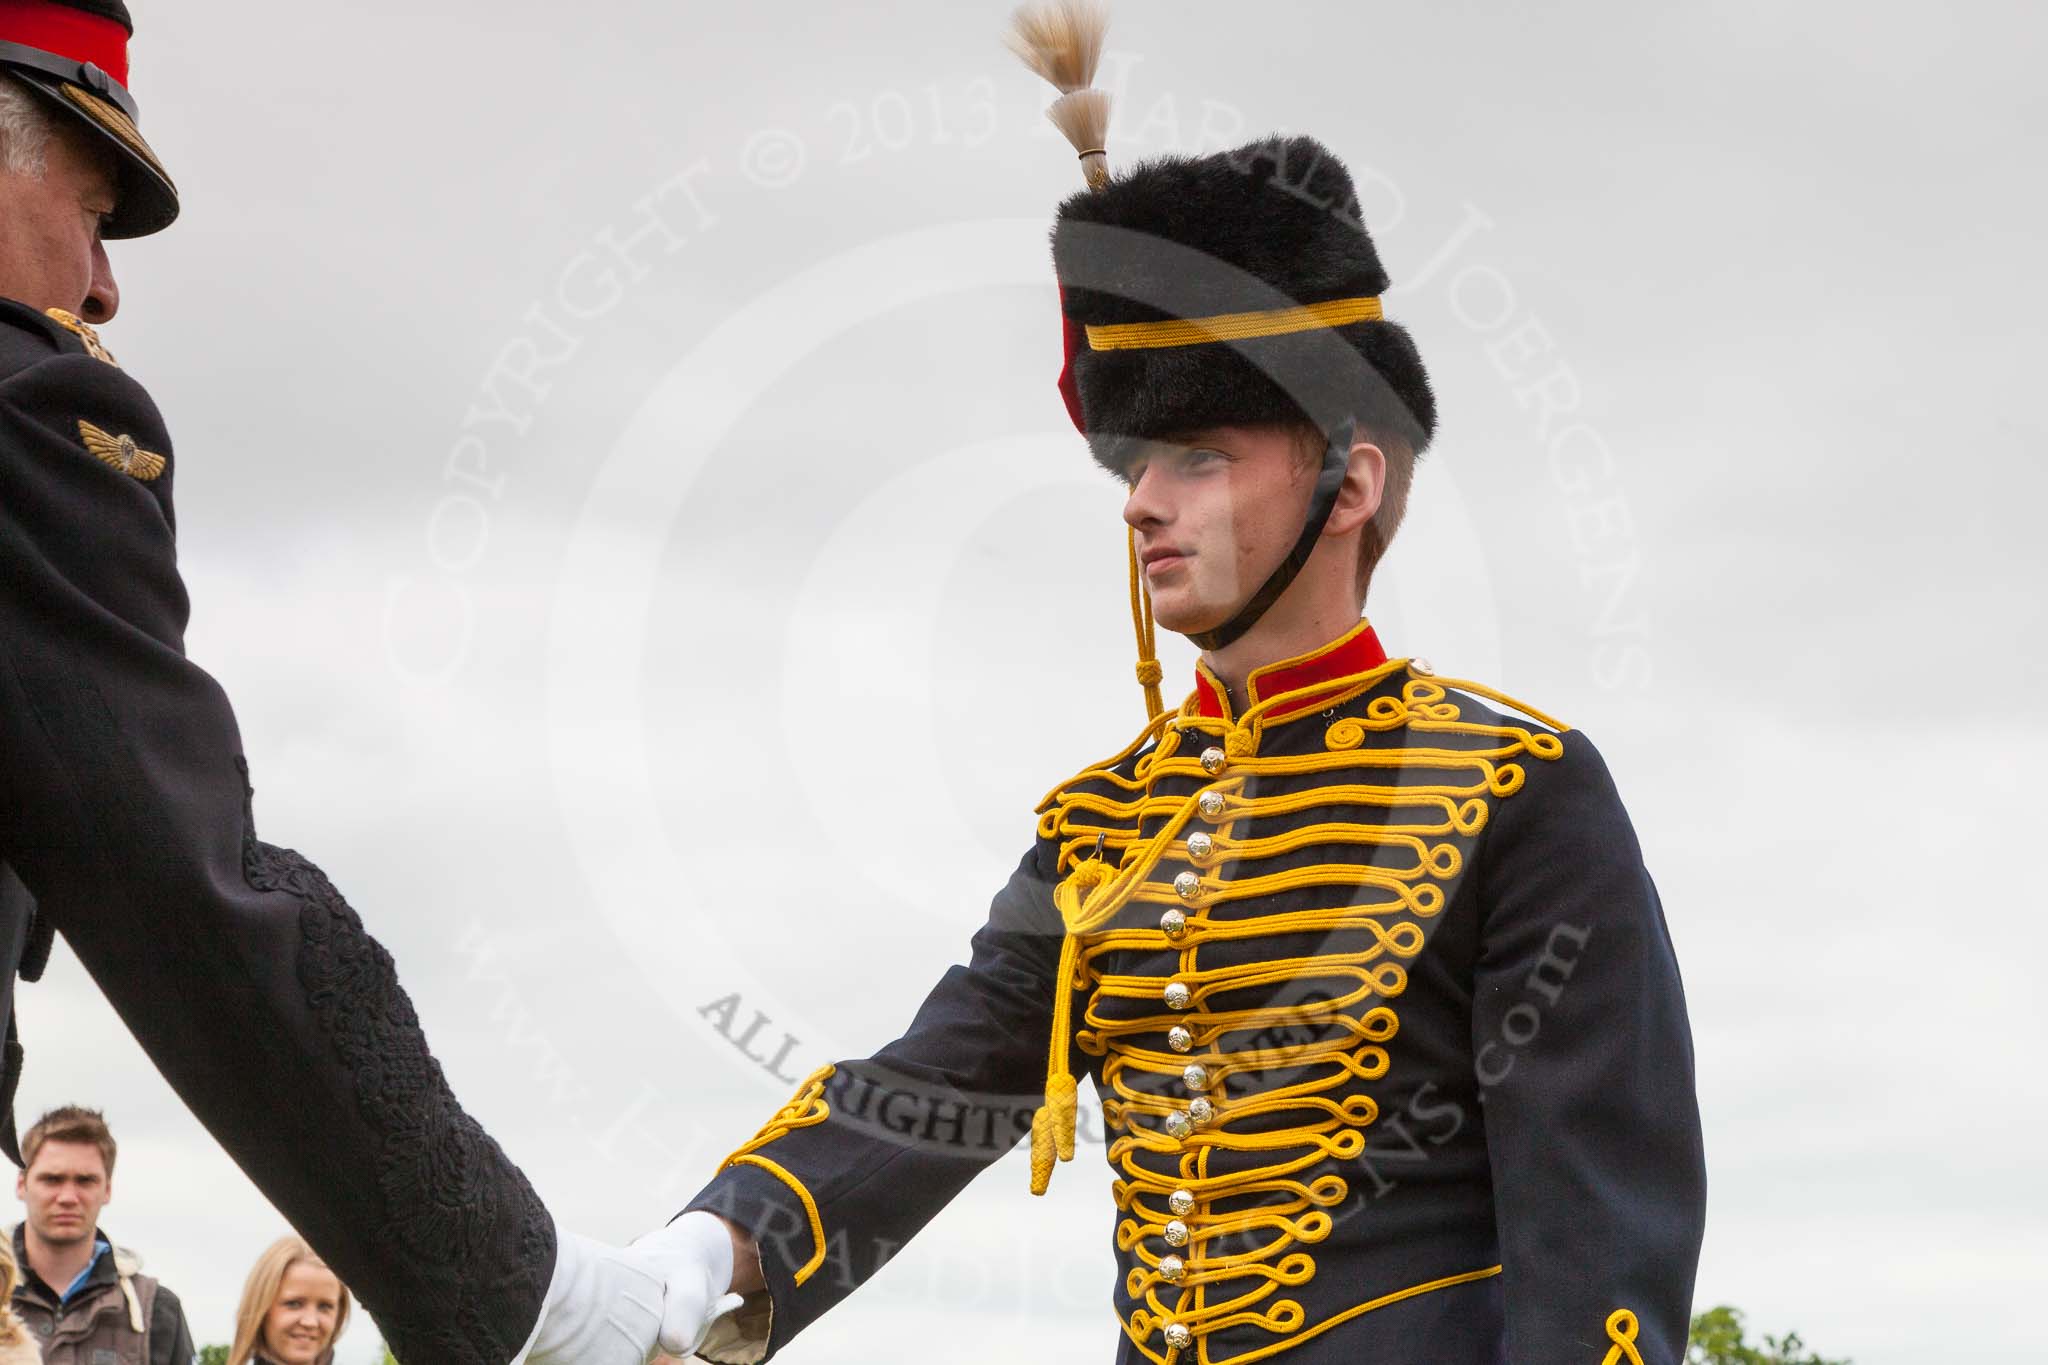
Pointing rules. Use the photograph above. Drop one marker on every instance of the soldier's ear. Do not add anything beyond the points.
(1365, 483)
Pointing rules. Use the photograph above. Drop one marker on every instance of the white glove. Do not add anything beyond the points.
(694, 1258)
(603, 1307)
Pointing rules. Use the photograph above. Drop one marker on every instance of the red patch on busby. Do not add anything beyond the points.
(1072, 342)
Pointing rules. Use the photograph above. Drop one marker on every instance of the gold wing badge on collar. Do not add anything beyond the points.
(121, 452)
(94, 347)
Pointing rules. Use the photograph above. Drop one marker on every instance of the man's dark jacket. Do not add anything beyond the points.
(167, 1337)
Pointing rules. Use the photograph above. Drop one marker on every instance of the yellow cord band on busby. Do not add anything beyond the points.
(1263, 322)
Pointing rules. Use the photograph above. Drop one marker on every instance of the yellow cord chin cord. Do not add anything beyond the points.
(1149, 673)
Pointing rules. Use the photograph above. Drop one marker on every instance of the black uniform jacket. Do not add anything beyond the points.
(1385, 1023)
(125, 812)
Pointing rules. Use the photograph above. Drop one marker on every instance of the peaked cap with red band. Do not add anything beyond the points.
(75, 54)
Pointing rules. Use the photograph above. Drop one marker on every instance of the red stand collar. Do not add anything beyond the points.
(1356, 651)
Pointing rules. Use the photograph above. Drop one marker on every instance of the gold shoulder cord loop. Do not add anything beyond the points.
(1512, 703)
(1621, 1330)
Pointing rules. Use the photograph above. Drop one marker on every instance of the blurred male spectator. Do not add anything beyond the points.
(105, 1312)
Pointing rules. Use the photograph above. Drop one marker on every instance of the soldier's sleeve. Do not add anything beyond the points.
(249, 981)
(869, 1151)
(1585, 1066)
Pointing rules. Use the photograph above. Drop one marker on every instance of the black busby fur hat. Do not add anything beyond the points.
(1272, 224)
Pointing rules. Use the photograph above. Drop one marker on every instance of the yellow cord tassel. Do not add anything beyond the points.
(1052, 1127)
(1149, 672)
(1052, 1130)
(1041, 1149)
(1062, 1097)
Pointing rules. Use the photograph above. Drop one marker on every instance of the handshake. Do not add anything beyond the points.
(612, 1305)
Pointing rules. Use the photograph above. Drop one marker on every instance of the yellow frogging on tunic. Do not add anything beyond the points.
(806, 1108)
(1109, 864)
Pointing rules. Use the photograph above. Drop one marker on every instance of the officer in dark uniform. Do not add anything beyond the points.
(1364, 964)
(125, 817)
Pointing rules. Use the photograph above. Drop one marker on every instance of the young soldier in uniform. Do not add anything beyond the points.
(124, 803)
(1363, 963)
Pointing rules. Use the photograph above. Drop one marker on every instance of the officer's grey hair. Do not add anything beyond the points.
(25, 129)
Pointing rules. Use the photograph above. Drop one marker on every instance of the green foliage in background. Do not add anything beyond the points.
(213, 1355)
(1718, 1339)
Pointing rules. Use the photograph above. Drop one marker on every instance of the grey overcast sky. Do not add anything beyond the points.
(623, 488)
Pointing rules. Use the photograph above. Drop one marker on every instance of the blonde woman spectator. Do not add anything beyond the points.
(17, 1346)
(293, 1309)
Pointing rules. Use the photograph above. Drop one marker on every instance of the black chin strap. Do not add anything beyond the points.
(1336, 459)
